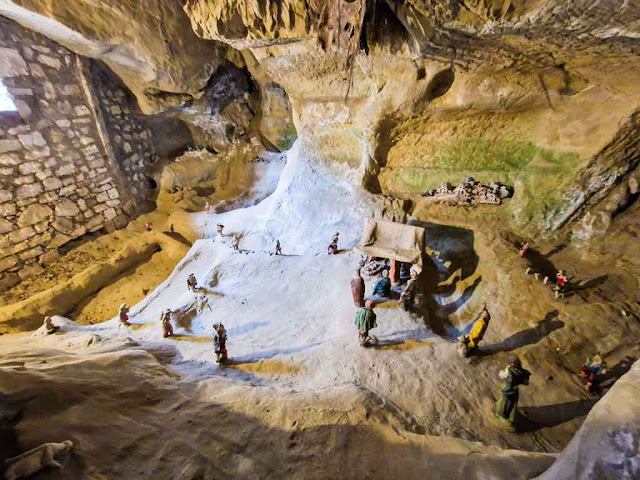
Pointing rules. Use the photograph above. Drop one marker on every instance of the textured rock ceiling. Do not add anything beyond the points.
(148, 43)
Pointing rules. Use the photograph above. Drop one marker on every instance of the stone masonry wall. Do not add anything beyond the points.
(129, 135)
(59, 178)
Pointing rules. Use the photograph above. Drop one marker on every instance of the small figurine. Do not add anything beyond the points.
(524, 249)
(278, 248)
(220, 342)
(167, 328)
(235, 242)
(122, 313)
(219, 229)
(49, 326)
(192, 283)
(207, 208)
(147, 227)
(333, 246)
(34, 460)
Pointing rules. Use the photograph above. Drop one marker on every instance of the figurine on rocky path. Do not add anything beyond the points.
(220, 342)
(593, 367)
(366, 321)
(409, 293)
(167, 328)
(523, 249)
(514, 376)
(278, 248)
(333, 246)
(561, 284)
(357, 289)
(49, 326)
(123, 314)
(192, 283)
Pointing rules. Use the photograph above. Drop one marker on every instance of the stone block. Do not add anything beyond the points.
(67, 208)
(11, 63)
(32, 140)
(8, 262)
(44, 174)
(66, 191)
(7, 171)
(110, 213)
(96, 223)
(21, 235)
(63, 123)
(71, 90)
(62, 224)
(102, 197)
(82, 110)
(37, 154)
(28, 191)
(36, 70)
(66, 181)
(5, 225)
(113, 203)
(23, 108)
(35, 213)
(66, 169)
(29, 167)
(82, 204)
(42, 239)
(7, 209)
(5, 196)
(52, 183)
(113, 193)
(41, 227)
(49, 61)
(58, 241)
(19, 130)
(31, 253)
(9, 146)
(79, 231)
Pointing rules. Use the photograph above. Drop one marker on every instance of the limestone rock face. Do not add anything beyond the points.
(149, 44)
(606, 446)
(405, 95)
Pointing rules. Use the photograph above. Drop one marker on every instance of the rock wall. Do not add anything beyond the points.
(130, 138)
(606, 446)
(58, 176)
(407, 94)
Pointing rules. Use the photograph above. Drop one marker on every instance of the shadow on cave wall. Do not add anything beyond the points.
(449, 276)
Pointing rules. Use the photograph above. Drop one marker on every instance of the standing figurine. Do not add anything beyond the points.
(49, 326)
(561, 283)
(333, 246)
(365, 321)
(220, 343)
(167, 328)
(409, 293)
(207, 208)
(192, 283)
(278, 248)
(123, 314)
(593, 366)
(523, 249)
(219, 229)
(235, 242)
(514, 376)
(357, 289)
(147, 227)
